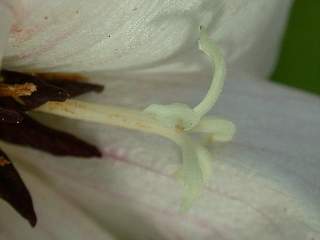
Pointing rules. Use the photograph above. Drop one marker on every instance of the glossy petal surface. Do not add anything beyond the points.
(119, 36)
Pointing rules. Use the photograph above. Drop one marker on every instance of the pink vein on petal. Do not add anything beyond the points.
(13, 10)
(50, 44)
(160, 212)
(113, 154)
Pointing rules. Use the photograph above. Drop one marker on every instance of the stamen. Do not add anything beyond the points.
(110, 115)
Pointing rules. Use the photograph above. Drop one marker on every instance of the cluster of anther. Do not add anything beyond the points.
(19, 94)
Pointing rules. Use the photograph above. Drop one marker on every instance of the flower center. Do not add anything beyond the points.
(172, 121)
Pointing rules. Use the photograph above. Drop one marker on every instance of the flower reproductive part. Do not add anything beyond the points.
(175, 121)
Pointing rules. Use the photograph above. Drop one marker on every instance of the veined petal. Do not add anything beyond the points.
(117, 36)
(5, 23)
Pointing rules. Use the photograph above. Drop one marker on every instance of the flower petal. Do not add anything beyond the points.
(129, 35)
(5, 23)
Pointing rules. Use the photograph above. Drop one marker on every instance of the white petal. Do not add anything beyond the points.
(265, 184)
(113, 35)
(5, 23)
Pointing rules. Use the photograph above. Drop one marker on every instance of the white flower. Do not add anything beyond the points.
(264, 184)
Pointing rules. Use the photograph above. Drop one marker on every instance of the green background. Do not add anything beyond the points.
(299, 60)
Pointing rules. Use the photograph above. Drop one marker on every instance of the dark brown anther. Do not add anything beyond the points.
(45, 91)
(76, 88)
(11, 104)
(20, 93)
(50, 87)
(36, 135)
(10, 116)
(14, 191)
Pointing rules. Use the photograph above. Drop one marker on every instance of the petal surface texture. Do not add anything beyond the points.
(100, 35)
